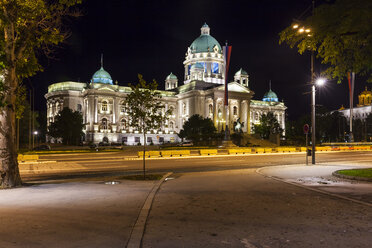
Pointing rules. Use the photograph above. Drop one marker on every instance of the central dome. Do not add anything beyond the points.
(102, 76)
(205, 42)
(270, 96)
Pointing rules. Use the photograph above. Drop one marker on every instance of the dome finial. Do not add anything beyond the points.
(270, 84)
(101, 60)
(205, 29)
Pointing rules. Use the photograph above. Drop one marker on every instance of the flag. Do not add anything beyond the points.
(226, 54)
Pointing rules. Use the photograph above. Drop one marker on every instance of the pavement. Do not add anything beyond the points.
(319, 177)
(230, 208)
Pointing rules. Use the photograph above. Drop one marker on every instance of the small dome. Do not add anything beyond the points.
(102, 76)
(241, 72)
(171, 76)
(205, 42)
(197, 66)
(270, 96)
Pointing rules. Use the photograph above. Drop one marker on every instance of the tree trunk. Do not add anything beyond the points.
(9, 172)
(144, 155)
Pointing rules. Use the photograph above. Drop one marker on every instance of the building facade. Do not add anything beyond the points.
(101, 101)
(363, 108)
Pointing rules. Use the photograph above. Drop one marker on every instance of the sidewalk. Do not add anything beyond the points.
(320, 177)
(73, 214)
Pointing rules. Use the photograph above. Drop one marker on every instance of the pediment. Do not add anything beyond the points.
(106, 88)
(235, 87)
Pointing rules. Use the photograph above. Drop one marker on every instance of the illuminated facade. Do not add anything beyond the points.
(363, 108)
(101, 102)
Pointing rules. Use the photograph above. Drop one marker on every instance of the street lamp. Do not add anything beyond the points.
(317, 82)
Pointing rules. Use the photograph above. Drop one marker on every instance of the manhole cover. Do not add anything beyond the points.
(112, 182)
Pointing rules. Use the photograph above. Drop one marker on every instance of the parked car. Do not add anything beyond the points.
(186, 143)
(42, 148)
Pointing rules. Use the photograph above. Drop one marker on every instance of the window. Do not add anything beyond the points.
(235, 110)
(79, 107)
(124, 139)
(123, 123)
(214, 67)
(210, 107)
(104, 123)
(171, 125)
(122, 107)
(161, 140)
(171, 109)
(137, 139)
(184, 108)
(104, 106)
(149, 139)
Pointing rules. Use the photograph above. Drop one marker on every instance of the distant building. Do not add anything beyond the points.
(101, 102)
(363, 108)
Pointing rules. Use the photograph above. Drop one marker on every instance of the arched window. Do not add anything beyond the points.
(210, 109)
(104, 106)
(104, 123)
(79, 107)
(123, 123)
(122, 107)
(184, 108)
(171, 125)
(235, 110)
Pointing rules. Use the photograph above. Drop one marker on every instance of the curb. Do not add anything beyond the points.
(135, 238)
(365, 179)
(258, 171)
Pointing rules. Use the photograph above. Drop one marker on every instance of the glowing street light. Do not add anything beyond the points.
(320, 81)
(295, 26)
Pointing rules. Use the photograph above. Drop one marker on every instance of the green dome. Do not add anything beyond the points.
(205, 42)
(270, 96)
(171, 76)
(241, 72)
(102, 76)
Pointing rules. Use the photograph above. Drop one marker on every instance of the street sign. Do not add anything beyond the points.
(306, 128)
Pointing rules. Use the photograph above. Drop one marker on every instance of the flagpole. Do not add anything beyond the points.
(227, 52)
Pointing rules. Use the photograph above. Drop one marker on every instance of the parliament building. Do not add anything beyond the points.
(101, 102)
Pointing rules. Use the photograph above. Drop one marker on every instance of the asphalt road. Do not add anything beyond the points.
(215, 201)
(63, 166)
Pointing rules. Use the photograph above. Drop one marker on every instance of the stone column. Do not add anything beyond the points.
(95, 110)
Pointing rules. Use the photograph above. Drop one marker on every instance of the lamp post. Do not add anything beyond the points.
(318, 82)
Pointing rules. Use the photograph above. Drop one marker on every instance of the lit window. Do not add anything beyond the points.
(104, 106)
(235, 110)
(123, 123)
(104, 123)
(214, 67)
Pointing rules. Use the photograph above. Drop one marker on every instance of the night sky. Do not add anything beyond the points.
(151, 37)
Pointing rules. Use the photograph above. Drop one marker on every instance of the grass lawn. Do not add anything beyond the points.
(357, 172)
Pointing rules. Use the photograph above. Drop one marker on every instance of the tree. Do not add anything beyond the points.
(197, 129)
(341, 35)
(268, 125)
(27, 28)
(146, 110)
(68, 125)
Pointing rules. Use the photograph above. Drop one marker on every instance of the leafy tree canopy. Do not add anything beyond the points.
(144, 106)
(67, 125)
(341, 35)
(268, 125)
(197, 128)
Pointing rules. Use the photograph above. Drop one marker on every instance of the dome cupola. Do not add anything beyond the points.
(101, 76)
(171, 82)
(205, 42)
(270, 96)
